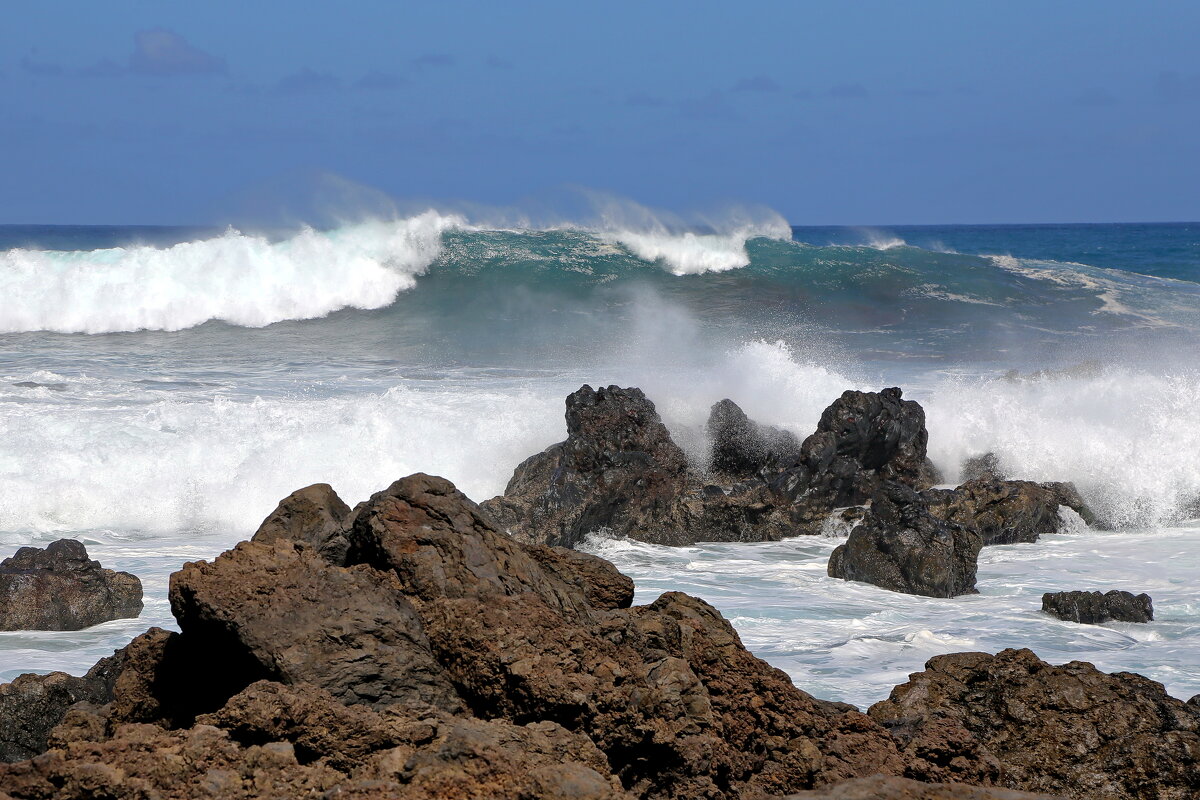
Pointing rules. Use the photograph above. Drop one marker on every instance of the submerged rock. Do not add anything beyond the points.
(1093, 608)
(60, 589)
(900, 546)
(1013, 720)
(1006, 512)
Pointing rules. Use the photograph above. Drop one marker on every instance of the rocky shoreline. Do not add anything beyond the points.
(420, 645)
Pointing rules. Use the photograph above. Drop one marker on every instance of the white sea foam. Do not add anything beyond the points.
(691, 253)
(238, 278)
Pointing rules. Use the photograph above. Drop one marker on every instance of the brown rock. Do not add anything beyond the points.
(312, 517)
(288, 615)
(1069, 730)
(61, 589)
(883, 787)
(1005, 512)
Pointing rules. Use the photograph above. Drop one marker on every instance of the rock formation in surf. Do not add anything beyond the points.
(619, 471)
(1007, 511)
(900, 546)
(1093, 608)
(435, 657)
(60, 589)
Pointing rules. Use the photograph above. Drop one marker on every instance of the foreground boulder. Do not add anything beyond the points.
(620, 472)
(1013, 720)
(1093, 608)
(60, 589)
(900, 546)
(1007, 512)
(443, 659)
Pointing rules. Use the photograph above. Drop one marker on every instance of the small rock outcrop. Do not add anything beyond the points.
(1093, 608)
(60, 589)
(985, 466)
(1006, 512)
(741, 447)
(900, 546)
(1015, 721)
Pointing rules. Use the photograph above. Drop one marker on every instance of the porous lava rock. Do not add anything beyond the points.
(31, 705)
(900, 546)
(1093, 608)
(741, 447)
(444, 659)
(1006, 512)
(884, 787)
(60, 589)
(1013, 720)
(313, 517)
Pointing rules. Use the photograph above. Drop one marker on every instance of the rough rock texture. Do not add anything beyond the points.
(31, 705)
(61, 589)
(985, 466)
(883, 787)
(1006, 512)
(900, 546)
(1093, 608)
(313, 517)
(446, 660)
(741, 447)
(619, 471)
(1069, 730)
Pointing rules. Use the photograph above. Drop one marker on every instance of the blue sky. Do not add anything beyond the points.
(828, 112)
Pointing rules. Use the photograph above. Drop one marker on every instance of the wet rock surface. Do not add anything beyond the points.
(900, 546)
(620, 472)
(741, 447)
(1093, 608)
(1006, 512)
(60, 589)
(1013, 720)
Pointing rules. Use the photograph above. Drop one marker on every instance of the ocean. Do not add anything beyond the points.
(162, 388)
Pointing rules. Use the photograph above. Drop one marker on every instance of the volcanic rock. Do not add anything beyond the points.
(31, 705)
(620, 472)
(312, 517)
(1070, 730)
(900, 546)
(446, 660)
(1006, 512)
(986, 467)
(1093, 608)
(883, 787)
(61, 589)
(742, 448)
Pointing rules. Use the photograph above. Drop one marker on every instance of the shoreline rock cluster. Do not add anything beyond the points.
(620, 471)
(408, 648)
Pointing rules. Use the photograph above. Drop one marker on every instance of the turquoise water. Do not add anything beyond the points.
(161, 389)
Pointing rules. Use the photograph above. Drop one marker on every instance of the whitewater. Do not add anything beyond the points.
(161, 390)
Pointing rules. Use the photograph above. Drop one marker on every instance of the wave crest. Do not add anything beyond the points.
(238, 278)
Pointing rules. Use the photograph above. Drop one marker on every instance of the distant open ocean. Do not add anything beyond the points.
(162, 388)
